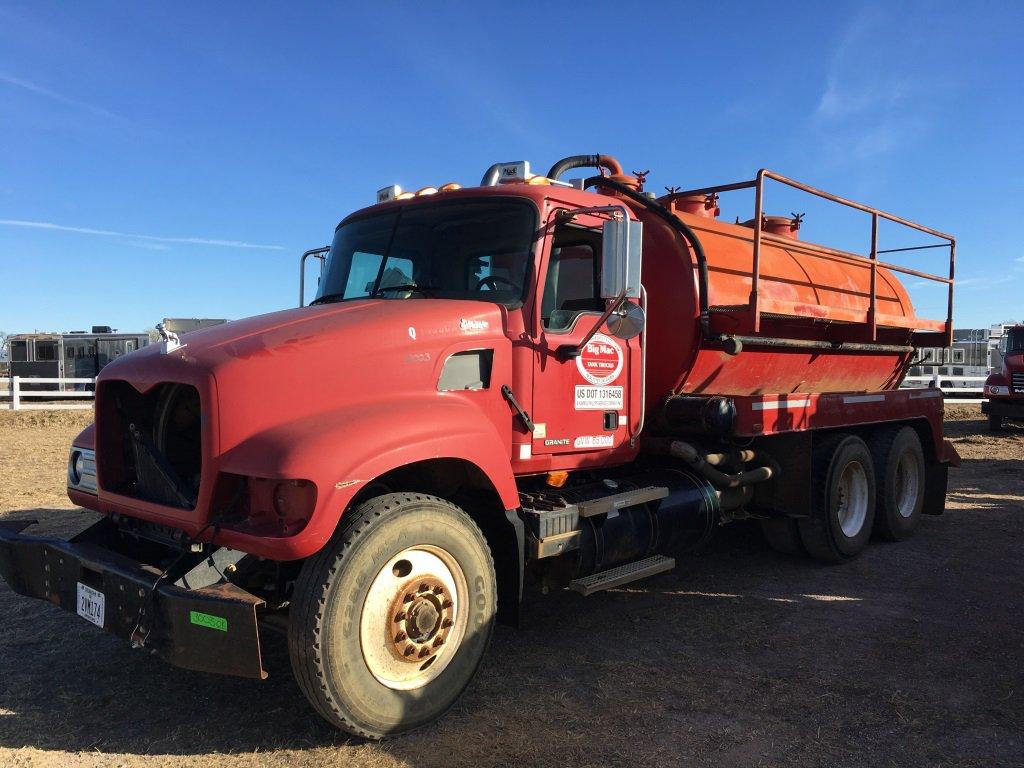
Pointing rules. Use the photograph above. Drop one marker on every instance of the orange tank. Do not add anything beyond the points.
(813, 330)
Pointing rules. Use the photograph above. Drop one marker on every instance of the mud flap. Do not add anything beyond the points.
(935, 480)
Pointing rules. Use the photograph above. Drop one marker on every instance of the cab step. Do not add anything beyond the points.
(606, 504)
(548, 515)
(623, 574)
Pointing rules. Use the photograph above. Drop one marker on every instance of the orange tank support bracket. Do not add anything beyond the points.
(926, 332)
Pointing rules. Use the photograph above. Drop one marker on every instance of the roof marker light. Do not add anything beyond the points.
(388, 193)
(518, 171)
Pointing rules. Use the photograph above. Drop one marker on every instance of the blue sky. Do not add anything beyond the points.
(175, 159)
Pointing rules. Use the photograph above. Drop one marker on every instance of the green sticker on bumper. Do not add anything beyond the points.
(208, 621)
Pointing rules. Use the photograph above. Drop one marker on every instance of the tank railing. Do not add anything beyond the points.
(757, 184)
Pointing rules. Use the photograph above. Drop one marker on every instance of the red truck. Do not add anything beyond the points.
(526, 382)
(1005, 388)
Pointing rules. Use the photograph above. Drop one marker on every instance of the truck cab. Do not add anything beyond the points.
(1005, 388)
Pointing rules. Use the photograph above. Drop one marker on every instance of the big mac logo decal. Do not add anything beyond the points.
(600, 361)
(600, 364)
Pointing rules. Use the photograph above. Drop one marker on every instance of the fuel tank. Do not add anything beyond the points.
(807, 293)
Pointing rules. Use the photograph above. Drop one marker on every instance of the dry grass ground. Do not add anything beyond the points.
(911, 655)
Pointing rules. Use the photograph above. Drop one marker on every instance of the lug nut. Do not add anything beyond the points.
(438, 642)
(400, 637)
(424, 587)
(400, 616)
(409, 597)
(438, 590)
(447, 623)
(446, 604)
(409, 649)
(424, 652)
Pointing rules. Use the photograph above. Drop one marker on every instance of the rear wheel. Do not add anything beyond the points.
(842, 500)
(995, 423)
(899, 479)
(391, 619)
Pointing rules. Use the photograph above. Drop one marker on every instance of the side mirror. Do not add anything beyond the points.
(627, 321)
(321, 255)
(621, 252)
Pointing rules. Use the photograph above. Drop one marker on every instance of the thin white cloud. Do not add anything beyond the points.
(966, 282)
(151, 246)
(129, 236)
(872, 103)
(844, 98)
(18, 82)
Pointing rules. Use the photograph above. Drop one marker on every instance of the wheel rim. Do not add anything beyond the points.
(414, 617)
(853, 498)
(908, 484)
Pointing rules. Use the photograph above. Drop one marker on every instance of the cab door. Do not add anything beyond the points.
(591, 402)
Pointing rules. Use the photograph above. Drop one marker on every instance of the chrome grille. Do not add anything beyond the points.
(151, 442)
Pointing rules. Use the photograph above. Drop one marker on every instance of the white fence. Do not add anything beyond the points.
(61, 394)
(71, 394)
(950, 385)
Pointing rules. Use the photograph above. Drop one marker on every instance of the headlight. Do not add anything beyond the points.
(997, 389)
(75, 467)
(82, 470)
(267, 507)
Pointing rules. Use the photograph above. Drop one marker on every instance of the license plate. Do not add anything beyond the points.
(91, 604)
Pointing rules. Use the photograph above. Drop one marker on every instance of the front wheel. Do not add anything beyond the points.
(391, 619)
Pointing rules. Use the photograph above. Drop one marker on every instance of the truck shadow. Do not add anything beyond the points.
(699, 656)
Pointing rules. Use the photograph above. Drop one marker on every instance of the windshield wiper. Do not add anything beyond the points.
(405, 287)
(328, 298)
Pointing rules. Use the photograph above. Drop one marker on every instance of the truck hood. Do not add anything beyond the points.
(277, 368)
(359, 321)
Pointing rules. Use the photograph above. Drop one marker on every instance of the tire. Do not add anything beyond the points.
(406, 563)
(783, 535)
(842, 499)
(900, 482)
(995, 423)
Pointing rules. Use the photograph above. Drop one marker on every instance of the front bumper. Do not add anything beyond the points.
(1011, 409)
(212, 629)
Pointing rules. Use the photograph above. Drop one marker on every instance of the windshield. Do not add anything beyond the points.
(475, 249)
(1015, 340)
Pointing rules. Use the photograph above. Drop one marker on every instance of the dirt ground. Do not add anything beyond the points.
(912, 655)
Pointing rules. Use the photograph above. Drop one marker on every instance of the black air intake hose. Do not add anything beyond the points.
(584, 161)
